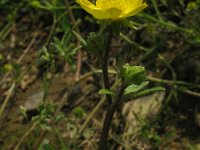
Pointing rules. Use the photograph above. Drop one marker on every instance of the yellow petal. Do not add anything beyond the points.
(112, 13)
(87, 5)
(99, 3)
(112, 9)
(134, 11)
(107, 4)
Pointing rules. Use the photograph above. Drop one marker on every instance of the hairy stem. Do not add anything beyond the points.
(106, 127)
(111, 106)
(105, 65)
(108, 120)
(110, 112)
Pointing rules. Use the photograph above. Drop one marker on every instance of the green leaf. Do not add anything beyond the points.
(116, 27)
(144, 93)
(130, 24)
(134, 74)
(36, 4)
(134, 88)
(79, 111)
(106, 91)
(46, 147)
(192, 6)
(96, 43)
(1, 57)
(80, 38)
(104, 23)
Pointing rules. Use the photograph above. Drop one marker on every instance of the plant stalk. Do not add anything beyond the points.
(111, 106)
(108, 120)
(109, 113)
(105, 65)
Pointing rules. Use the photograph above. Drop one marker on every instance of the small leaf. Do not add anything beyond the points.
(36, 4)
(96, 43)
(106, 91)
(134, 74)
(116, 27)
(47, 147)
(8, 67)
(82, 40)
(130, 24)
(78, 111)
(192, 6)
(134, 88)
(104, 23)
(1, 57)
(144, 93)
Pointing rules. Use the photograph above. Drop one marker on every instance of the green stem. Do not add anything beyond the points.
(111, 108)
(110, 112)
(157, 10)
(108, 120)
(105, 65)
(166, 24)
(105, 130)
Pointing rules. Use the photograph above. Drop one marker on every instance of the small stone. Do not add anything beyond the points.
(34, 101)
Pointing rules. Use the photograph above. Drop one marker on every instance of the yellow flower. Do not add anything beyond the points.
(113, 9)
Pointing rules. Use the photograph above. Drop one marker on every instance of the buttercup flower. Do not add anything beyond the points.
(113, 9)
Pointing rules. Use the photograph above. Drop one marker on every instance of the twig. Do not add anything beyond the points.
(79, 57)
(21, 57)
(9, 94)
(189, 92)
(25, 135)
(10, 91)
(59, 137)
(5, 31)
(168, 66)
(128, 40)
(51, 30)
(101, 102)
(158, 80)
(170, 82)
(153, 79)
(27, 49)
(96, 108)
(157, 10)
(166, 24)
(51, 121)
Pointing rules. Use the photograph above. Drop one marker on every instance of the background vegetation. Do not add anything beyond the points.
(45, 106)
